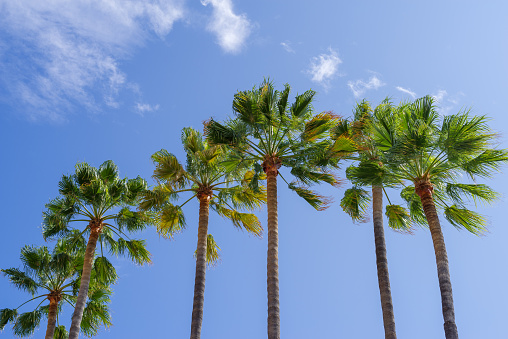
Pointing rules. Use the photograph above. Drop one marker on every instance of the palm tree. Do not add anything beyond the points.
(273, 134)
(221, 188)
(369, 171)
(99, 199)
(434, 154)
(54, 277)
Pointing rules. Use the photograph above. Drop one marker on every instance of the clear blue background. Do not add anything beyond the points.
(97, 80)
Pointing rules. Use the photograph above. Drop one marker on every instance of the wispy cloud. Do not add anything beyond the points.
(446, 102)
(359, 87)
(407, 91)
(62, 54)
(324, 67)
(230, 29)
(144, 108)
(439, 96)
(287, 46)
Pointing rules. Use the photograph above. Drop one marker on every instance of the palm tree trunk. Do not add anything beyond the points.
(272, 261)
(53, 309)
(85, 282)
(382, 263)
(424, 190)
(199, 283)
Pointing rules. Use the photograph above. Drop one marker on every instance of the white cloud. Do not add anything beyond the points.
(439, 96)
(230, 29)
(143, 108)
(324, 67)
(359, 87)
(66, 53)
(287, 46)
(407, 91)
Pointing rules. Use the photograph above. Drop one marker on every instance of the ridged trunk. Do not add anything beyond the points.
(85, 281)
(52, 311)
(382, 263)
(199, 283)
(424, 190)
(272, 257)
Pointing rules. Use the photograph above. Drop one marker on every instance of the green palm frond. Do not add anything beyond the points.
(132, 221)
(465, 218)
(21, 280)
(85, 173)
(108, 171)
(476, 192)
(355, 203)
(104, 270)
(367, 173)
(212, 251)
(242, 197)
(302, 104)
(135, 187)
(486, 163)
(398, 218)
(170, 221)
(168, 168)
(245, 221)
(135, 249)
(96, 313)
(7, 315)
(414, 205)
(318, 127)
(308, 177)
(61, 332)
(27, 322)
(317, 201)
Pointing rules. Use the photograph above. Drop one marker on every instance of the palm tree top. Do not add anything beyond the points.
(207, 175)
(273, 134)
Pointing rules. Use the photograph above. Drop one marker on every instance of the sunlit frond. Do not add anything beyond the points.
(317, 201)
(355, 203)
(246, 221)
(21, 280)
(108, 171)
(398, 218)
(302, 104)
(104, 270)
(132, 221)
(476, 192)
(170, 221)
(136, 250)
(61, 332)
(414, 205)
(486, 163)
(168, 168)
(465, 218)
(26, 323)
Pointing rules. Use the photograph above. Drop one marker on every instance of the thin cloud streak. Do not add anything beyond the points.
(230, 29)
(287, 46)
(359, 87)
(407, 91)
(324, 67)
(72, 50)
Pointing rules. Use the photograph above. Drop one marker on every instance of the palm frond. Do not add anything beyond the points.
(27, 322)
(136, 249)
(485, 163)
(7, 315)
(355, 203)
(96, 313)
(132, 221)
(168, 168)
(212, 251)
(108, 171)
(465, 218)
(414, 205)
(21, 280)
(317, 201)
(135, 187)
(170, 221)
(302, 106)
(85, 173)
(245, 221)
(476, 192)
(104, 270)
(61, 332)
(398, 218)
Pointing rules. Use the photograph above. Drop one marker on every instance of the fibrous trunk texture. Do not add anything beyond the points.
(272, 262)
(424, 190)
(199, 283)
(382, 263)
(53, 309)
(95, 230)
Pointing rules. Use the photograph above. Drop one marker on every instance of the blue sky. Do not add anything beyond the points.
(98, 80)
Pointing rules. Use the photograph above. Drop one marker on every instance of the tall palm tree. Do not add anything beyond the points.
(273, 134)
(433, 154)
(53, 277)
(99, 199)
(215, 185)
(368, 170)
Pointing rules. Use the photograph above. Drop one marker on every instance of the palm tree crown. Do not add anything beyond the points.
(99, 199)
(54, 277)
(225, 189)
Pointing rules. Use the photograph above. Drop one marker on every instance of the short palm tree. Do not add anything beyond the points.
(215, 186)
(53, 277)
(368, 170)
(99, 199)
(273, 134)
(433, 154)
